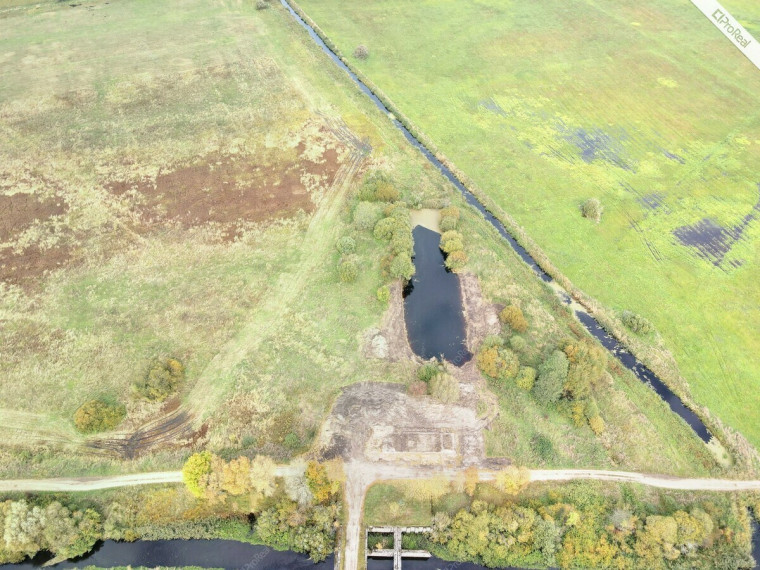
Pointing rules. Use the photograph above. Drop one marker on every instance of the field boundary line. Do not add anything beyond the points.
(731, 28)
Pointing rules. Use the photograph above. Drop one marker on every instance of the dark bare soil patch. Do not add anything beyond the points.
(17, 213)
(230, 189)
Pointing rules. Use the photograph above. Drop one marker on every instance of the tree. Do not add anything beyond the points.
(452, 241)
(512, 315)
(384, 228)
(236, 476)
(348, 271)
(456, 260)
(346, 245)
(196, 468)
(444, 387)
(552, 374)
(366, 215)
(98, 415)
(498, 362)
(319, 483)
(587, 362)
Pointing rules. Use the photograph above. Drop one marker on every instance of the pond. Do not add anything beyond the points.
(592, 325)
(433, 304)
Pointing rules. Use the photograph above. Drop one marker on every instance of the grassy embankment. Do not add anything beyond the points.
(544, 106)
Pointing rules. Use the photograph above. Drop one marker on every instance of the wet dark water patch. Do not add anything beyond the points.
(630, 362)
(671, 156)
(433, 304)
(652, 201)
(756, 543)
(598, 145)
(228, 554)
(712, 242)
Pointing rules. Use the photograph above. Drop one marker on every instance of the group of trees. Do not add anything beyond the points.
(586, 530)
(28, 529)
(162, 378)
(298, 512)
(566, 376)
(452, 241)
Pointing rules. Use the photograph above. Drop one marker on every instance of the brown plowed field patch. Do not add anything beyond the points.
(17, 213)
(230, 189)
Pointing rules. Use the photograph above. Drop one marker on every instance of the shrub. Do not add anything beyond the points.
(543, 447)
(526, 378)
(597, 425)
(402, 267)
(361, 52)
(512, 479)
(452, 241)
(384, 294)
(512, 315)
(448, 224)
(402, 242)
(319, 483)
(162, 379)
(444, 387)
(262, 4)
(292, 441)
(346, 244)
(551, 378)
(426, 372)
(592, 209)
(196, 469)
(456, 260)
(498, 363)
(636, 323)
(378, 188)
(451, 212)
(366, 215)
(518, 343)
(417, 388)
(384, 229)
(98, 415)
(348, 271)
(587, 362)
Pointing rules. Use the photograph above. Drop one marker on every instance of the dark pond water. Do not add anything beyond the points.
(627, 359)
(756, 543)
(433, 304)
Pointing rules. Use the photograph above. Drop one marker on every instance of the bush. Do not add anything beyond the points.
(448, 224)
(587, 362)
(345, 245)
(162, 379)
(378, 188)
(262, 4)
(452, 241)
(98, 415)
(456, 260)
(417, 388)
(526, 378)
(366, 215)
(451, 212)
(518, 343)
(402, 267)
(512, 315)
(385, 228)
(498, 363)
(592, 209)
(551, 378)
(348, 271)
(361, 52)
(402, 242)
(511, 480)
(636, 323)
(428, 371)
(384, 294)
(444, 387)
(597, 425)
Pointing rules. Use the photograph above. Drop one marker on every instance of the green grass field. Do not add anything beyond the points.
(643, 105)
(748, 14)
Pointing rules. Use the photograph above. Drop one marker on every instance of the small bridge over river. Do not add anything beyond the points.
(397, 553)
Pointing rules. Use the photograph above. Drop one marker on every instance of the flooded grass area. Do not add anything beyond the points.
(545, 106)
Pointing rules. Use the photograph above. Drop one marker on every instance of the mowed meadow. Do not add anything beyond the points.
(643, 105)
(173, 180)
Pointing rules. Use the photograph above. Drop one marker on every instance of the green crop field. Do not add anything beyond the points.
(643, 105)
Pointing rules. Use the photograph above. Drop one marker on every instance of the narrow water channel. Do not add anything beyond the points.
(592, 325)
(433, 304)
